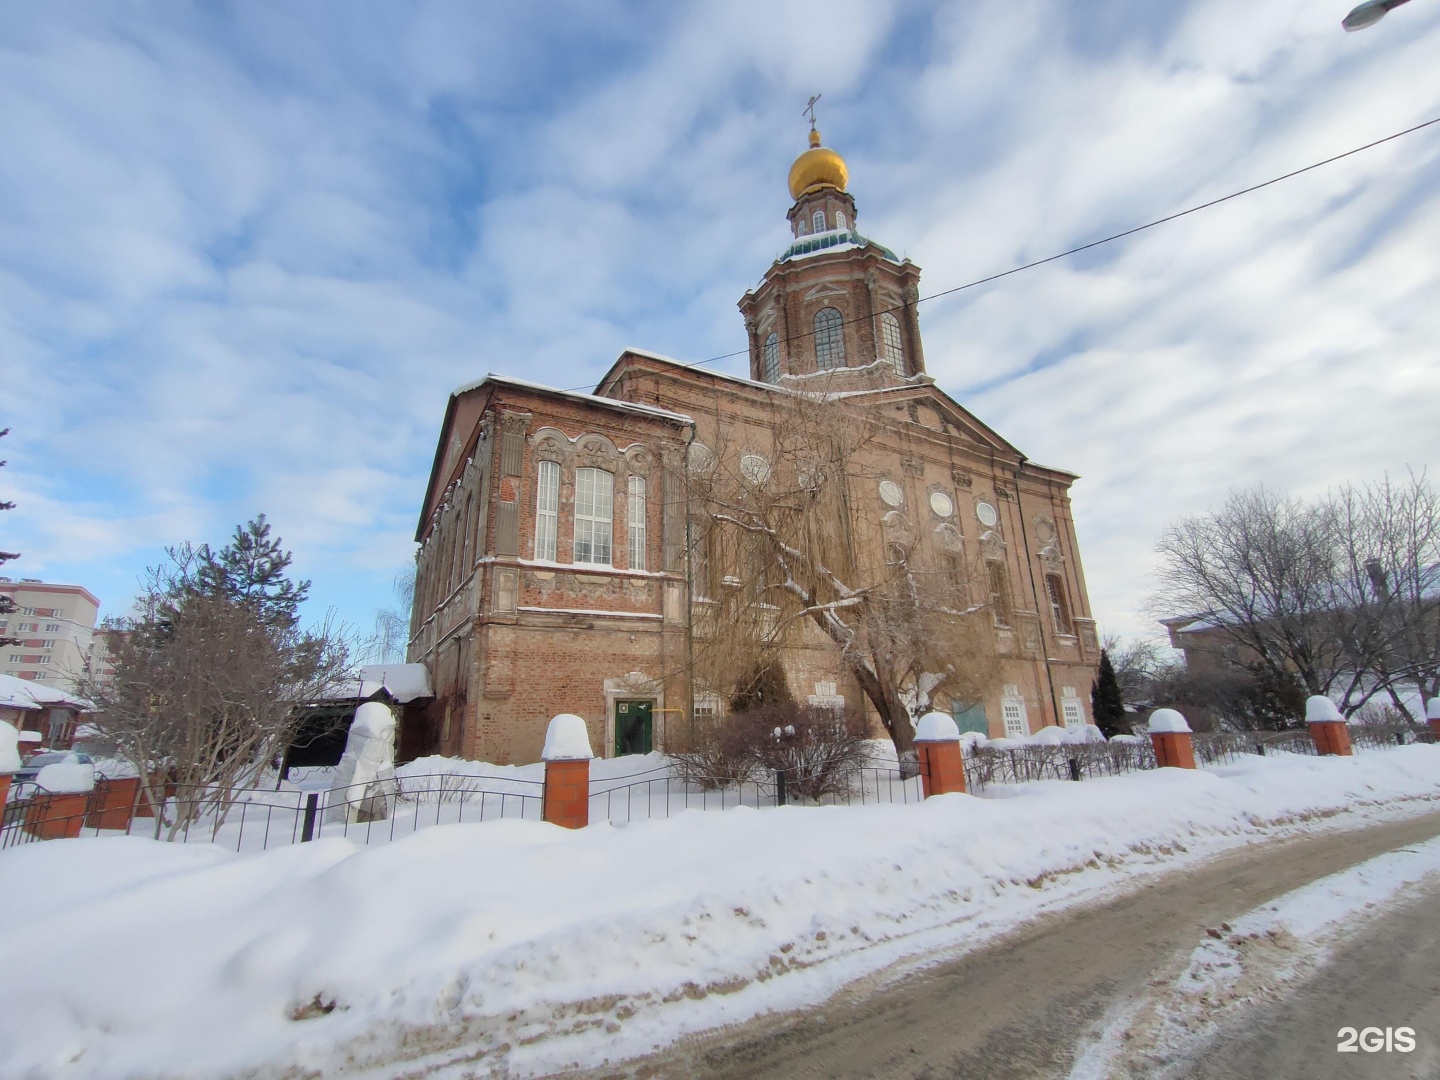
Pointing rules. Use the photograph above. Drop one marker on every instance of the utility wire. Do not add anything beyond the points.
(1086, 247)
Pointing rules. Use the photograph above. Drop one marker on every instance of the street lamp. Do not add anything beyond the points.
(1369, 13)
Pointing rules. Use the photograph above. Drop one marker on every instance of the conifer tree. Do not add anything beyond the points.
(250, 569)
(1107, 704)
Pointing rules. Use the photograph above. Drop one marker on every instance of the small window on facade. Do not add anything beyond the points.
(1017, 724)
(770, 359)
(50, 628)
(699, 561)
(594, 496)
(817, 221)
(999, 594)
(637, 522)
(839, 219)
(1072, 712)
(1059, 605)
(829, 339)
(892, 349)
(955, 576)
(547, 511)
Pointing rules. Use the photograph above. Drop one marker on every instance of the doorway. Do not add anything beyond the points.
(633, 727)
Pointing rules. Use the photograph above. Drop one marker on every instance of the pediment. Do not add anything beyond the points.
(933, 409)
(825, 290)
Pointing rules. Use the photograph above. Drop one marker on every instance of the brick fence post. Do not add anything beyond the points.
(9, 758)
(1170, 735)
(567, 772)
(942, 767)
(112, 803)
(1327, 726)
(1432, 715)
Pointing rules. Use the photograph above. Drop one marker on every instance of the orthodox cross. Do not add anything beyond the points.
(810, 109)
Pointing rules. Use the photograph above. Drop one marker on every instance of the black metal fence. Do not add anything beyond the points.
(378, 812)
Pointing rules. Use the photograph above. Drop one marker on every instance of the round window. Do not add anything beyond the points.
(986, 513)
(941, 505)
(755, 469)
(890, 493)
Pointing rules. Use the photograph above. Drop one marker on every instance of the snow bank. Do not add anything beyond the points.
(516, 948)
(972, 740)
(1166, 721)
(68, 777)
(936, 727)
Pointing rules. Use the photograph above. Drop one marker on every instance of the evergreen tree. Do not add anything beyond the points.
(7, 604)
(250, 569)
(1107, 704)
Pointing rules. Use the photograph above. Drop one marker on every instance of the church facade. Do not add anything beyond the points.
(563, 562)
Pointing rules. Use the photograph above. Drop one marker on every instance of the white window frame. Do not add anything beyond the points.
(1072, 712)
(50, 628)
(829, 339)
(594, 516)
(635, 511)
(1059, 605)
(42, 660)
(839, 219)
(547, 511)
(1017, 720)
(817, 221)
(47, 643)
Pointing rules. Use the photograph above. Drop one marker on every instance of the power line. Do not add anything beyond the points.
(1094, 243)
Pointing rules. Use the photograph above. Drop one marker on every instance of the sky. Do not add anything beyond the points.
(248, 249)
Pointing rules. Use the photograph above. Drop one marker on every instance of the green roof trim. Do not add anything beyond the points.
(835, 238)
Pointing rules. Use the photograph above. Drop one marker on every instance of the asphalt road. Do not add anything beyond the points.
(1023, 1006)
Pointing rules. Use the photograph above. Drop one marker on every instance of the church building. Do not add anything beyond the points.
(563, 566)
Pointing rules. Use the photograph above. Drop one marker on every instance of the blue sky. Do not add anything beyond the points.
(246, 250)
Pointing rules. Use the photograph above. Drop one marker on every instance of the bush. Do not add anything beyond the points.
(819, 749)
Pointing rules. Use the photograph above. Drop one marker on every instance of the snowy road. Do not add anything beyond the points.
(1026, 1006)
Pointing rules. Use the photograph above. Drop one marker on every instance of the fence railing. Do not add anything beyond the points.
(378, 812)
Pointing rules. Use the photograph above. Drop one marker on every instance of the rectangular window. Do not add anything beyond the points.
(1073, 712)
(47, 643)
(594, 496)
(50, 627)
(1059, 607)
(15, 657)
(42, 659)
(999, 594)
(1013, 710)
(699, 561)
(547, 511)
(636, 512)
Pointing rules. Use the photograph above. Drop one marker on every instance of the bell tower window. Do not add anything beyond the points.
(817, 221)
(770, 360)
(829, 339)
(893, 349)
(839, 219)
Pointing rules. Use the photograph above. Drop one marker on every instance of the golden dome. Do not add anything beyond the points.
(816, 168)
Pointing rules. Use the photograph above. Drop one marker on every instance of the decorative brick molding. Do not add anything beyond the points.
(567, 793)
(112, 803)
(55, 817)
(942, 767)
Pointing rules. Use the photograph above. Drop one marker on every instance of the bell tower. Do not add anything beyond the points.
(835, 307)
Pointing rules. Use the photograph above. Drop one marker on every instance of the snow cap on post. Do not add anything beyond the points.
(9, 748)
(374, 720)
(566, 739)
(937, 727)
(68, 777)
(1319, 709)
(1432, 709)
(1167, 721)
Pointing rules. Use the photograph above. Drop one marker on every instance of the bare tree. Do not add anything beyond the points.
(207, 686)
(1339, 593)
(783, 557)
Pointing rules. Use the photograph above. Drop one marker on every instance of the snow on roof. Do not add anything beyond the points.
(574, 395)
(24, 694)
(403, 682)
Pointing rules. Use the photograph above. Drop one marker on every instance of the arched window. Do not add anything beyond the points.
(829, 339)
(547, 510)
(817, 221)
(1059, 604)
(594, 494)
(891, 347)
(637, 522)
(839, 219)
(770, 359)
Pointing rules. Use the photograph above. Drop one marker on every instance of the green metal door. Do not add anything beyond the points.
(632, 727)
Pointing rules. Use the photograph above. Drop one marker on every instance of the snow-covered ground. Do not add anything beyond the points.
(1258, 959)
(515, 947)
